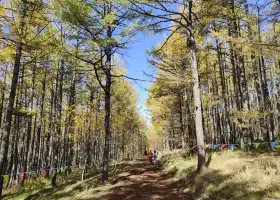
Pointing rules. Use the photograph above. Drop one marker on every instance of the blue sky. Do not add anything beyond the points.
(136, 61)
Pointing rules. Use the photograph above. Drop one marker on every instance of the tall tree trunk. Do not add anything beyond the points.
(39, 141)
(7, 128)
(196, 95)
(49, 142)
(105, 168)
(28, 148)
(107, 120)
(8, 121)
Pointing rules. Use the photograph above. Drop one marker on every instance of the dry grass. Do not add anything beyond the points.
(230, 175)
(74, 189)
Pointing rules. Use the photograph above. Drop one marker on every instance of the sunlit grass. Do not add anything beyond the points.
(230, 175)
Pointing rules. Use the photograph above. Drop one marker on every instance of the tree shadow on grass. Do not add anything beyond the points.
(209, 185)
(209, 159)
(214, 185)
(148, 182)
(72, 187)
(42, 193)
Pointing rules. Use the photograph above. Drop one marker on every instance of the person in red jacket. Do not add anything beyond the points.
(150, 156)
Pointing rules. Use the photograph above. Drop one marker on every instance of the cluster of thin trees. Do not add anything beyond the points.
(237, 51)
(64, 97)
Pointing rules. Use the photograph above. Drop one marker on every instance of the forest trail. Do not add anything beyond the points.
(145, 181)
(139, 180)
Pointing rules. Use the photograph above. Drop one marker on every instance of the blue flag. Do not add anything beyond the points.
(273, 144)
(231, 146)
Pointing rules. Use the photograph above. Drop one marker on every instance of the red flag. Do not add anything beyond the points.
(21, 176)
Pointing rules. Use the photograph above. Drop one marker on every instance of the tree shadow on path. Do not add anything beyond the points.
(144, 182)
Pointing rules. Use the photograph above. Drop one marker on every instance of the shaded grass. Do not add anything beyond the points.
(41, 187)
(230, 175)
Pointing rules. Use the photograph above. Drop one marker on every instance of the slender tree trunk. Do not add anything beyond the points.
(196, 96)
(108, 53)
(39, 141)
(28, 148)
(3, 98)
(107, 120)
(7, 128)
(8, 121)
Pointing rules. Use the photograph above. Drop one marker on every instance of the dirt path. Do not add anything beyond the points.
(145, 182)
(138, 181)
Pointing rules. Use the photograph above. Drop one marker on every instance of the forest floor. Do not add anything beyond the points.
(230, 175)
(139, 180)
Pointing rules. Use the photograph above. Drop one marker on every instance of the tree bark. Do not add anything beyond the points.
(196, 95)
(108, 53)
(8, 122)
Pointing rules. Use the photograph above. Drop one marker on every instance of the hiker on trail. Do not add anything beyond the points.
(150, 155)
(155, 155)
(145, 153)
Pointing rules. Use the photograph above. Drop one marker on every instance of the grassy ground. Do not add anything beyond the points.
(230, 175)
(41, 188)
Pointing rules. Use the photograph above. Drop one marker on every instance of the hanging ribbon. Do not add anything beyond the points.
(54, 170)
(214, 146)
(33, 174)
(231, 147)
(62, 170)
(21, 176)
(273, 144)
(6, 179)
(223, 146)
(256, 145)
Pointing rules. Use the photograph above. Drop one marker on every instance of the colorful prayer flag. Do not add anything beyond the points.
(223, 146)
(214, 146)
(21, 176)
(6, 179)
(62, 170)
(231, 147)
(33, 174)
(256, 145)
(206, 146)
(273, 144)
(44, 172)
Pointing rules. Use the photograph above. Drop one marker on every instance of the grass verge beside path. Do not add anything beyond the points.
(230, 175)
(42, 189)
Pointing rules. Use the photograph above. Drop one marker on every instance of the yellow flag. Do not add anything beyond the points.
(6, 179)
